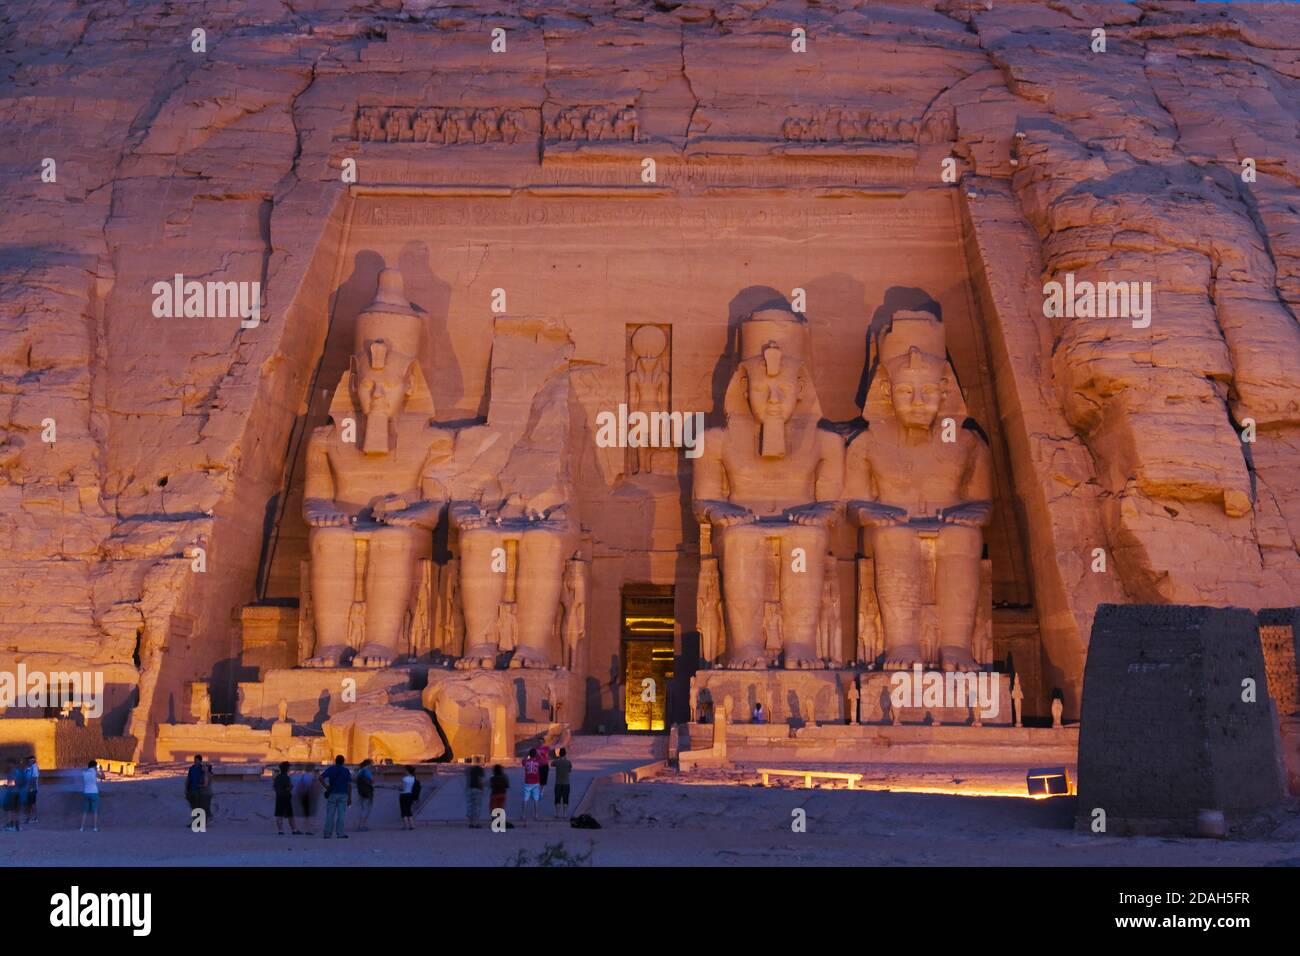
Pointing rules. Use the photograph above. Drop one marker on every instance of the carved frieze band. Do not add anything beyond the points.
(838, 124)
(594, 124)
(448, 126)
(440, 126)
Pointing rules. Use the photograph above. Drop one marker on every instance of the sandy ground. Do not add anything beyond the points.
(705, 818)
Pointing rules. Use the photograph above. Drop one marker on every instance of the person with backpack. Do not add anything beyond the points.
(365, 793)
(337, 781)
(563, 770)
(283, 784)
(499, 784)
(473, 794)
(406, 798)
(198, 790)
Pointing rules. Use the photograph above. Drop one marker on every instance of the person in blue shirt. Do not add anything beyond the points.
(198, 791)
(33, 785)
(337, 781)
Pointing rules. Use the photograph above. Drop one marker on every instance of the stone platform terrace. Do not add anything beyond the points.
(880, 744)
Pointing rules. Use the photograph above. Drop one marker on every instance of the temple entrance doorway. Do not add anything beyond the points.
(647, 655)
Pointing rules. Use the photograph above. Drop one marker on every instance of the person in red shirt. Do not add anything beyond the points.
(544, 755)
(532, 783)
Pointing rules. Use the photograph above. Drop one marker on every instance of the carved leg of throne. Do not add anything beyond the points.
(924, 586)
(391, 564)
(900, 591)
(801, 595)
(333, 576)
(538, 596)
(482, 590)
(362, 591)
(744, 574)
(957, 591)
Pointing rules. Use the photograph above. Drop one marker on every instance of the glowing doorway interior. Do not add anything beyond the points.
(647, 654)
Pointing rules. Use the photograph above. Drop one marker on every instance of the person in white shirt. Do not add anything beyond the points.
(90, 778)
(406, 798)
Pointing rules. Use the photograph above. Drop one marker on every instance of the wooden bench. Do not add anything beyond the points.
(240, 771)
(808, 775)
(125, 768)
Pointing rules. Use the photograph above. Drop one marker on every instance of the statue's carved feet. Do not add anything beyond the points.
(328, 657)
(904, 657)
(957, 659)
(803, 661)
(529, 657)
(374, 655)
(749, 663)
(478, 657)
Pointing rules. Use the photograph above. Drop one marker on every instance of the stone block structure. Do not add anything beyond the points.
(1176, 719)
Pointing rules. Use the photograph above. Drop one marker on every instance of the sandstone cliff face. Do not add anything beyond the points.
(224, 165)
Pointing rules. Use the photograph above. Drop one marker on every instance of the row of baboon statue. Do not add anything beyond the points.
(454, 125)
(594, 124)
(444, 126)
(836, 124)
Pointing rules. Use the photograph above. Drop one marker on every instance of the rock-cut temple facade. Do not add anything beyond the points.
(420, 376)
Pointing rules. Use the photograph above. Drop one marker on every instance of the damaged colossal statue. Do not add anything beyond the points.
(768, 484)
(509, 513)
(375, 729)
(475, 712)
(919, 484)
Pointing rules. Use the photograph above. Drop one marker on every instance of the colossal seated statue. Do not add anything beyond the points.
(768, 484)
(919, 484)
(370, 501)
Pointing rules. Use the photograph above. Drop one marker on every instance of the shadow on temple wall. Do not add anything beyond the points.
(117, 713)
(686, 574)
(353, 294)
(322, 708)
(742, 305)
(224, 684)
(897, 298)
(521, 699)
(684, 668)
(430, 296)
(834, 301)
(792, 709)
(598, 715)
